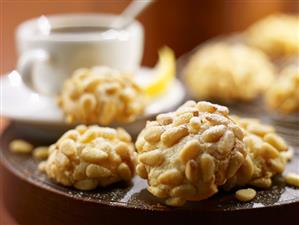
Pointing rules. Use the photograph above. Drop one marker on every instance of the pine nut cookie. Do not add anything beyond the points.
(101, 95)
(265, 156)
(277, 35)
(228, 73)
(188, 154)
(87, 157)
(283, 95)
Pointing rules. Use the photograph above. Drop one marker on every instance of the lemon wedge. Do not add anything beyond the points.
(165, 73)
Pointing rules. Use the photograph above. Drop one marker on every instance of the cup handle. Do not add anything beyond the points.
(26, 63)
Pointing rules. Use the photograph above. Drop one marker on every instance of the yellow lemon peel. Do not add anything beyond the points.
(166, 70)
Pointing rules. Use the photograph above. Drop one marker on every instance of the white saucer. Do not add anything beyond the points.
(20, 104)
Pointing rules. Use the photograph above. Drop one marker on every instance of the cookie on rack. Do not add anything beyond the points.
(228, 73)
(101, 95)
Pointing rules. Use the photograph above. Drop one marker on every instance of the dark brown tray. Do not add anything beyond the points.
(33, 199)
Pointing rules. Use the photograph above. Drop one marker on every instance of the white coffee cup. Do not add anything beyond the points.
(47, 59)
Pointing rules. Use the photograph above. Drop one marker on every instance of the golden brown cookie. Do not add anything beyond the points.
(277, 35)
(101, 95)
(87, 157)
(227, 72)
(283, 95)
(265, 155)
(189, 153)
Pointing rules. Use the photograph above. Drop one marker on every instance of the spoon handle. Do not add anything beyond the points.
(132, 11)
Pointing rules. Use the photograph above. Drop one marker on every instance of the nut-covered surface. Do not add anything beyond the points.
(101, 95)
(283, 95)
(87, 157)
(220, 70)
(189, 153)
(265, 155)
(277, 35)
(132, 197)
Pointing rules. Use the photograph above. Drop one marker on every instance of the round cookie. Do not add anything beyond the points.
(188, 154)
(87, 157)
(277, 35)
(228, 73)
(265, 155)
(283, 96)
(101, 95)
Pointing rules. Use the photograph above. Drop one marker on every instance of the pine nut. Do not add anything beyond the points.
(141, 171)
(122, 150)
(195, 123)
(124, 172)
(41, 153)
(183, 119)
(206, 107)
(95, 171)
(123, 135)
(260, 130)
(81, 129)
(171, 177)
(190, 151)
(245, 195)
(62, 160)
(93, 155)
(173, 135)
(184, 191)
(268, 151)
(234, 164)
(68, 147)
(216, 119)
(226, 142)
(263, 182)
(152, 158)
(157, 191)
(191, 171)
(79, 172)
(276, 141)
(292, 179)
(88, 136)
(153, 134)
(207, 166)
(42, 166)
(20, 146)
(213, 134)
(164, 119)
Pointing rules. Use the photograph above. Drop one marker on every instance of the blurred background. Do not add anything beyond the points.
(180, 24)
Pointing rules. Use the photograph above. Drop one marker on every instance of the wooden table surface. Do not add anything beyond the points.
(5, 217)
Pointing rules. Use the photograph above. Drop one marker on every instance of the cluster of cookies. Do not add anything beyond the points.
(230, 72)
(188, 154)
(191, 153)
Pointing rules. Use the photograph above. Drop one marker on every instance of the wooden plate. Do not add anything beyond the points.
(33, 199)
